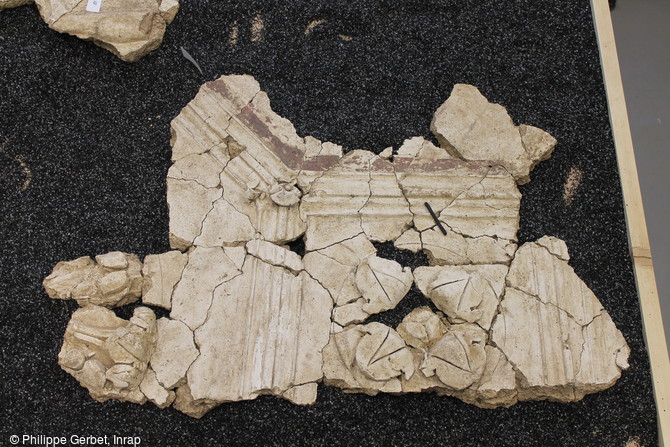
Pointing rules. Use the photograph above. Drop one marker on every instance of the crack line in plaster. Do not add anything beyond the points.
(202, 222)
(548, 303)
(333, 244)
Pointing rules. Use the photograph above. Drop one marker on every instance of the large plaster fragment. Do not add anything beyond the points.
(267, 168)
(113, 279)
(553, 329)
(236, 164)
(471, 128)
(128, 28)
(109, 355)
(251, 317)
(550, 339)
(270, 324)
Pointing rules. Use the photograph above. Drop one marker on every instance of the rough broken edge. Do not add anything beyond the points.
(638, 239)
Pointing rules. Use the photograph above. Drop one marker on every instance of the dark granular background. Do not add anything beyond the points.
(85, 151)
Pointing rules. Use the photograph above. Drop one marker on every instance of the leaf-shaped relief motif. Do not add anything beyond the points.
(382, 354)
(383, 283)
(466, 294)
(458, 358)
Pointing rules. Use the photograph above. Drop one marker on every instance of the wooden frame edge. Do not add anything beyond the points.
(638, 239)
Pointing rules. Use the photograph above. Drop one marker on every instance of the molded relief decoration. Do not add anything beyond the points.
(250, 317)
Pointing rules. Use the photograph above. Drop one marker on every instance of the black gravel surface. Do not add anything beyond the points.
(85, 152)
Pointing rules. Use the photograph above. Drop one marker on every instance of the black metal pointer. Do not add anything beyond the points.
(434, 216)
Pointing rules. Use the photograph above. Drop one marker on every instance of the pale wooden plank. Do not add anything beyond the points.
(637, 227)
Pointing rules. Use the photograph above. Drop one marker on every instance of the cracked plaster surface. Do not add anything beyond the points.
(249, 317)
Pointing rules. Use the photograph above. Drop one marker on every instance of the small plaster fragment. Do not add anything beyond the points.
(113, 280)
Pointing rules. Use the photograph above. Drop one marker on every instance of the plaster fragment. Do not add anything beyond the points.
(113, 280)
(161, 275)
(207, 269)
(109, 355)
(129, 29)
(382, 283)
(6, 4)
(554, 330)
(271, 326)
(153, 390)
(175, 352)
(466, 294)
(471, 128)
(421, 328)
(458, 358)
(538, 144)
(275, 255)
